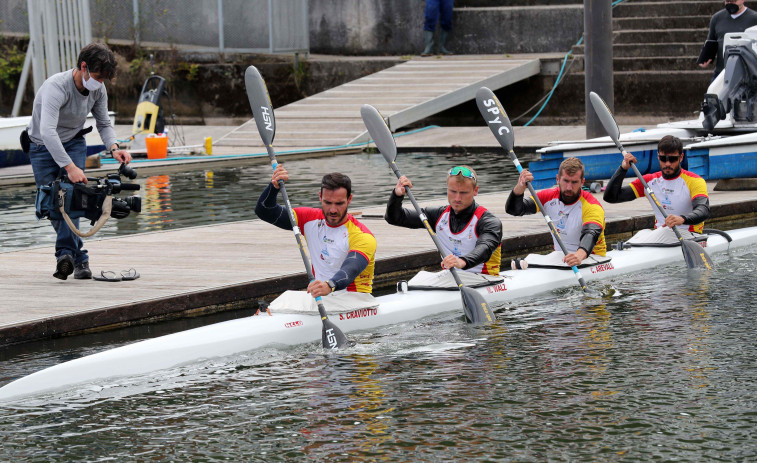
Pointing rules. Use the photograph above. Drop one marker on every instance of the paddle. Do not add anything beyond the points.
(497, 120)
(262, 111)
(475, 307)
(694, 254)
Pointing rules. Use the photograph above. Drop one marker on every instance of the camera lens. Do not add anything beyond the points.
(127, 172)
(134, 203)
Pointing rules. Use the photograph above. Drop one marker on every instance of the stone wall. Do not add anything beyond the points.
(395, 27)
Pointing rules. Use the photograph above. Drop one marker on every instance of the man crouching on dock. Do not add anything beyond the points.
(342, 249)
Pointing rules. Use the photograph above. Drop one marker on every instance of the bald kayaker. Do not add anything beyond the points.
(471, 235)
(577, 215)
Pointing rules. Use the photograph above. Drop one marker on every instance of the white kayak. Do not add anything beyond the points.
(246, 334)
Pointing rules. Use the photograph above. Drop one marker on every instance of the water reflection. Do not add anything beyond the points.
(229, 194)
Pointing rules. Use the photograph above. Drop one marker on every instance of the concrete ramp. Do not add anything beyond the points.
(404, 94)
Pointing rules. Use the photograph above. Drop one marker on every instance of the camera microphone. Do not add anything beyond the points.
(129, 186)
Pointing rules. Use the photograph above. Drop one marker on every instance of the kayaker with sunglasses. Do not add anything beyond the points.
(681, 193)
(468, 232)
(577, 215)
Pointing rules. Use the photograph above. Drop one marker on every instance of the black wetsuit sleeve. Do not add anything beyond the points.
(269, 210)
(397, 215)
(489, 231)
(700, 213)
(590, 233)
(519, 205)
(615, 192)
(352, 266)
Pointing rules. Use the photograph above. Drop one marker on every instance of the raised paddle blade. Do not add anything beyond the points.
(379, 132)
(477, 311)
(695, 255)
(605, 117)
(496, 117)
(260, 103)
(333, 337)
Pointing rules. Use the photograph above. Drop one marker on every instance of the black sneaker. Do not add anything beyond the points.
(64, 267)
(82, 271)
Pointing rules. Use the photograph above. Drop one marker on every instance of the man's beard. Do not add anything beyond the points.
(569, 200)
(675, 173)
(336, 221)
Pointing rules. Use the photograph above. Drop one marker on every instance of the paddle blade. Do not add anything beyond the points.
(332, 336)
(695, 256)
(605, 117)
(477, 311)
(495, 117)
(379, 132)
(260, 103)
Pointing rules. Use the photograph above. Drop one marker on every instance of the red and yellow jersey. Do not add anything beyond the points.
(570, 218)
(328, 246)
(463, 242)
(675, 195)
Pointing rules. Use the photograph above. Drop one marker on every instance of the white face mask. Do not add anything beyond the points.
(91, 84)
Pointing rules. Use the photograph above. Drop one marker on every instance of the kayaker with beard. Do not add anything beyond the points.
(470, 234)
(577, 215)
(681, 193)
(342, 250)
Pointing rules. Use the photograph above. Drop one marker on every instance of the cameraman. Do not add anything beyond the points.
(56, 139)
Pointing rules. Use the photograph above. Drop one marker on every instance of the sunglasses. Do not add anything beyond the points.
(669, 159)
(464, 171)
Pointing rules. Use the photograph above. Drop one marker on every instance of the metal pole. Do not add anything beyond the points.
(270, 26)
(597, 60)
(221, 44)
(135, 12)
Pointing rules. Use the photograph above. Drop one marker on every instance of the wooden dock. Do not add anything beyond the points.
(220, 267)
(405, 93)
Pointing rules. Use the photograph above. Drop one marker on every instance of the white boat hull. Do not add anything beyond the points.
(246, 334)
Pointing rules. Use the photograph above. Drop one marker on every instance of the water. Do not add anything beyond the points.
(228, 194)
(662, 370)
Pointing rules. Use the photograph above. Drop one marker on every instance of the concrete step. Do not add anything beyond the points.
(511, 3)
(665, 9)
(661, 23)
(625, 50)
(654, 63)
(658, 36)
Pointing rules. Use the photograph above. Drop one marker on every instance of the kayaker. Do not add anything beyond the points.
(577, 215)
(681, 193)
(342, 249)
(468, 232)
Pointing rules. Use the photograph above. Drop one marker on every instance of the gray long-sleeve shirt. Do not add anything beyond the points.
(60, 112)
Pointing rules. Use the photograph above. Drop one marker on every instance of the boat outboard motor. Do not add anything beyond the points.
(738, 93)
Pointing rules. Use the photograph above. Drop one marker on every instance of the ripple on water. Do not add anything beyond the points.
(663, 370)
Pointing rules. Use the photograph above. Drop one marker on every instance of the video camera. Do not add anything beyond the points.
(64, 200)
(111, 184)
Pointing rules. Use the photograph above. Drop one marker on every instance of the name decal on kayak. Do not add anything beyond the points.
(359, 313)
(293, 324)
(496, 288)
(602, 268)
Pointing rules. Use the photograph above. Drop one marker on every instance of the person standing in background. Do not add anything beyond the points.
(736, 17)
(440, 10)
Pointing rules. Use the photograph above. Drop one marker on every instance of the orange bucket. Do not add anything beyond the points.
(157, 147)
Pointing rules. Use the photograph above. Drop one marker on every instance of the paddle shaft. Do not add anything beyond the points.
(430, 230)
(549, 221)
